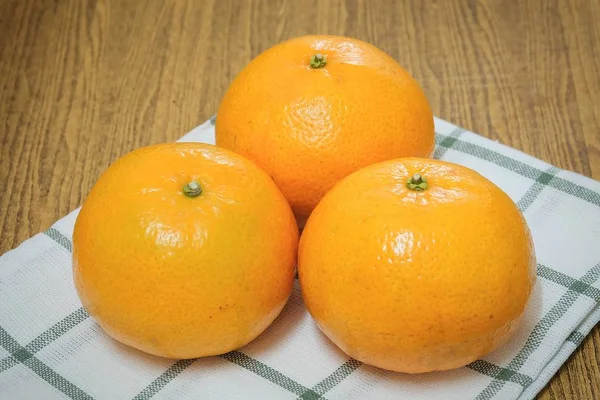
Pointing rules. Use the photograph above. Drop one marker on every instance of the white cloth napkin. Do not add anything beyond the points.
(50, 348)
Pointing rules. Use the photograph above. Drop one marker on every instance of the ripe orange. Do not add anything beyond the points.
(420, 278)
(314, 109)
(184, 250)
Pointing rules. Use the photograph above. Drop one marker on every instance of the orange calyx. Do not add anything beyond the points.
(192, 189)
(417, 182)
(318, 61)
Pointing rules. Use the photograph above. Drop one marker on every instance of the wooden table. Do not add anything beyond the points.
(83, 82)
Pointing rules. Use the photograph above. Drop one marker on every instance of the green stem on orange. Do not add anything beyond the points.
(192, 189)
(318, 61)
(417, 183)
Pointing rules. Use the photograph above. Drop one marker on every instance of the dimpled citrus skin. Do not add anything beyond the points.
(416, 281)
(308, 127)
(177, 276)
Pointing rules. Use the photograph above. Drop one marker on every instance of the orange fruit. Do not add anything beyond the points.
(314, 109)
(421, 278)
(184, 250)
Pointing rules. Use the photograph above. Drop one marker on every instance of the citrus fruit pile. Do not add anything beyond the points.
(406, 263)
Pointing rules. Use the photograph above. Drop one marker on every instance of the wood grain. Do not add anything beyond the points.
(82, 82)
